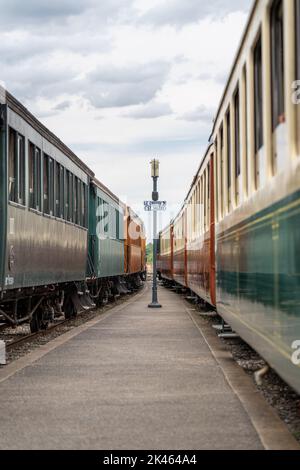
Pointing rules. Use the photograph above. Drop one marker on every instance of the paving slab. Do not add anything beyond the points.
(137, 379)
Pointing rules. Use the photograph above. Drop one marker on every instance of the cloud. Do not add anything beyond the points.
(201, 113)
(63, 105)
(21, 13)
(19, 46)
(47, 80)
(151, 110)
(111, 86)
(180, 13)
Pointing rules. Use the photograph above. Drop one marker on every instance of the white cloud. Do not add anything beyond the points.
(200, 113)
(37, 13)
(110, 86)
(151, 110)
(180, 13)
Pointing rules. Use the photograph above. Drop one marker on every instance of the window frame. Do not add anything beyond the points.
(12, 166)
(258, 95)
(237, 133)
(34, 172)
(277, 64)
(46, 205)
(62, 192)
(70, 198)
(222, 147)
(51, 175)
(217, 179)
(21, 170)
(208, 194)
(229, 153)
(57, 190)
(19, 167)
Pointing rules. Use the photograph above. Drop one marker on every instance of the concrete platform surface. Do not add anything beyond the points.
(136, 379)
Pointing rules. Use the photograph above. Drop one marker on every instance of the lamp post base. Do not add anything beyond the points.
(154, 305)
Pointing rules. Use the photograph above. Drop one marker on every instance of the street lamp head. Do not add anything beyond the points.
(155, 168)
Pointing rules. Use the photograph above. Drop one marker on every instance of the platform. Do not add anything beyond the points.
(132, 379)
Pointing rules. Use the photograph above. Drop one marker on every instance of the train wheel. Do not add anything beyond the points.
(69, 309)
(39, 321)
(35, 324)
(104, 297)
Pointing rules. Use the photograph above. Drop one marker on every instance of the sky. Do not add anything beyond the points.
(124, 81)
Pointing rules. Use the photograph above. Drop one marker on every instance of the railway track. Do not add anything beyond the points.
(32, 336)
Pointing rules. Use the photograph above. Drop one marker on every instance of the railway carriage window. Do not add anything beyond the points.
(16, 167)
(245, 119)
(198, 209)
(67, 195)
(34, 155)
(204, 200)
(194, 214)
(38, 178)
(86, 222)
(21, 175)
(201, 204)
(51, 186)
(75, 200)
(277, 53)
(12, 166)
(70, 197)
(237, 134)
(99, 215)
(79, 199)
(62, 192)
(208, 195)
(77, 190)
(258, 90)
(228, 124)
(83, 222)
(57, 189)
(31, 168)
(258, 106)
(46, 184)
(117, 224)
(222, 170)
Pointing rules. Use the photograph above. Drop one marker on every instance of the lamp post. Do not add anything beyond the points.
(155, 195)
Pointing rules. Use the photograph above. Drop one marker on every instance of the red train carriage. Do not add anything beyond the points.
(179, 249)
(201, 232)
(187, 245)
(134, 249)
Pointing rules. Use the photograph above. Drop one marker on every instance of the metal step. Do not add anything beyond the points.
(228, 335)
(222, 327)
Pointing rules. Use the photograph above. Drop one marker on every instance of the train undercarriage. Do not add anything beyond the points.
(40, 306)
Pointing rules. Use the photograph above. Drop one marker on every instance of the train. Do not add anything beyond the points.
(67, 243)
(235, 243)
